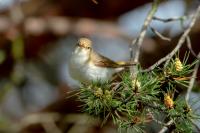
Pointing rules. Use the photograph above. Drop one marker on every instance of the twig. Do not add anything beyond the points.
(116, 86)
(165, 128)
(158, 121)
(160, 35)
(180, 42)
(192, 80)
(169, 19)
(177, 19)
(138, 41)
(190, 46)
(128, 99)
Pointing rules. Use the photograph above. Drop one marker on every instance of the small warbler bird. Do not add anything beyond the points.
(88, 66)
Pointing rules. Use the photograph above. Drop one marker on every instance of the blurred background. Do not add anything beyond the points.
(37, 38)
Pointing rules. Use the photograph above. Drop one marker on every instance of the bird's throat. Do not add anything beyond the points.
(81, 55)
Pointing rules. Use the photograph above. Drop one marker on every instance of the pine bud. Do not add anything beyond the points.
(136, 120)
(168, 101)
(98, 92)
(136, 84)
(178, 65)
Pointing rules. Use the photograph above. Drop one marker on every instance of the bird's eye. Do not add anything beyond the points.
(88, 47)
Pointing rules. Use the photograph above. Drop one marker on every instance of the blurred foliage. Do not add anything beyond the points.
(2, 56)
(18, 48)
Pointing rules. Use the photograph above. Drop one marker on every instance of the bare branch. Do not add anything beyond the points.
(190, 46)
(165, 128)
(138, 41)
(160, 35)
(180, 42)
(158, 121)
(177, 19)
(192, 81)
(169, 19)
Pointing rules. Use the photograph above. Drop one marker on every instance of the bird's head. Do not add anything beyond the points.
(83, 47)
(85, 43)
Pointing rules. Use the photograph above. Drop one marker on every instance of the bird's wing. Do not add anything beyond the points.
(103, 61)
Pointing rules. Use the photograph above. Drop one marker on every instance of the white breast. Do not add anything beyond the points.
(86, 72)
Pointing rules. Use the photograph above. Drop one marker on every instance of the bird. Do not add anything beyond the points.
(87, 65)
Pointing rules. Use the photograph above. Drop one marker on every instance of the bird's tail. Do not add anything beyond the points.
(126, 64)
